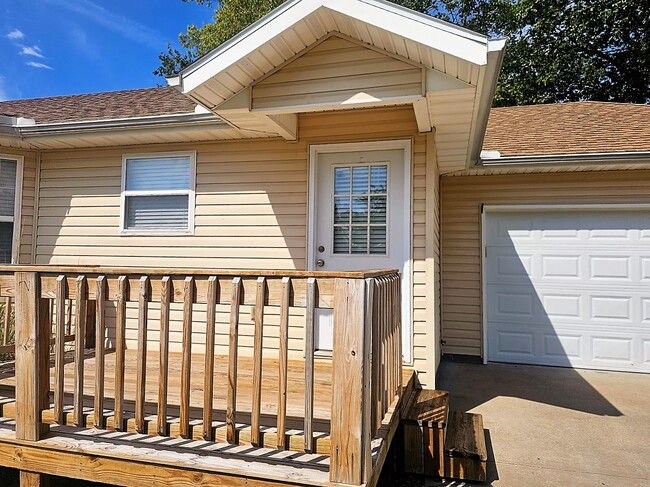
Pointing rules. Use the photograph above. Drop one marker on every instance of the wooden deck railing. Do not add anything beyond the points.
(366, 359)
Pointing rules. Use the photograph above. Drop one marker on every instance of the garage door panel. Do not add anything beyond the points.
(618, 266)
(569, 288)
(590, 307)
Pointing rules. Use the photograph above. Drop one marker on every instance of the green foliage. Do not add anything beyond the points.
(558, 50)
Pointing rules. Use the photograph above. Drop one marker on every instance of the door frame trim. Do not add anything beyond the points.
(407, 291)
(532, 208)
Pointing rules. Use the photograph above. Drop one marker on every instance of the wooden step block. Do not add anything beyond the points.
(424, 428)
(465, 449)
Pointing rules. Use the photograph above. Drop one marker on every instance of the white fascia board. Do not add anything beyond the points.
(414, 27)
(485, 95)
(417, 27)
(246, 42)
(136, 123)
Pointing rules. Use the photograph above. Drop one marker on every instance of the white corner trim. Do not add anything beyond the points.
(407, 269)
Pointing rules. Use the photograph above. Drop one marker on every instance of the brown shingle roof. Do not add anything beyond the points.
(100, 106)
(568, 128)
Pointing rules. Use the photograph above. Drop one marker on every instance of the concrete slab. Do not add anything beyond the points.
(552, 426)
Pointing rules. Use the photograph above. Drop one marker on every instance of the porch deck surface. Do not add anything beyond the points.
(269, 405)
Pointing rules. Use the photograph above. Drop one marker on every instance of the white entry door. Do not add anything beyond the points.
(569, 288)
(359, 218)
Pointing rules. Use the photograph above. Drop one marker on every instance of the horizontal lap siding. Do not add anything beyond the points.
(244, 190)
(251, 212)
(333, 72)
(462, 198)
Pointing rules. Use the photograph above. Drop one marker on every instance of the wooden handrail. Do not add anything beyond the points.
(172, 271)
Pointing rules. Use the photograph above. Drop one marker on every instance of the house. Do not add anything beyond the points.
(328, 139)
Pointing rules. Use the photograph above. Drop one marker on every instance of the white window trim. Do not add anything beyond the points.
(191, 195)
(17, 220)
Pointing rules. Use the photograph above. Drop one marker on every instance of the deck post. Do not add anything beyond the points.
(350, 429)
(32, 342)
(30, 479)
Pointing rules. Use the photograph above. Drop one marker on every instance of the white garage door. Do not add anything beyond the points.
(568, 288)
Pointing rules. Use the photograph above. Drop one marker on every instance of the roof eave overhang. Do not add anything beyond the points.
(420, 28)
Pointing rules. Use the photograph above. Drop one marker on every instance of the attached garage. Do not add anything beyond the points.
(568, 286)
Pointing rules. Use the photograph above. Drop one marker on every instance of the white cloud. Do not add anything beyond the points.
(120, 24)
(15, 35)
(38, 65)
(31, 51)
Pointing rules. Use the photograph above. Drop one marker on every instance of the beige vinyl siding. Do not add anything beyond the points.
(251, 212)
(333, 72)
(462, 198)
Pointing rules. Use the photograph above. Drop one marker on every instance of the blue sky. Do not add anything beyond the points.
(62, 47)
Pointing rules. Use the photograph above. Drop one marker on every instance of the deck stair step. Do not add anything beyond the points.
(424, 428)
(465, 454)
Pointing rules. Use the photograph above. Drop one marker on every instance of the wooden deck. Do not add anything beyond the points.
(269, 408)
(143, 415)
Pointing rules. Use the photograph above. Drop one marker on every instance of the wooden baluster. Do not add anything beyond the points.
(257, 361)
(186, 370)
(309, 364)
(81, 303)
(68, 330)
(7, 322)
(284, 355)
(375, 359)
(163, 378)
(398, 310)
(233, 344)
(141, 368)
(208, 373)
(350, 435)
(390, 313)
(120, 347)
(59, 349)
(100, 348)
(384, 341)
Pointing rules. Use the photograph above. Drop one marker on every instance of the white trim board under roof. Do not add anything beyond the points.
(459, 68)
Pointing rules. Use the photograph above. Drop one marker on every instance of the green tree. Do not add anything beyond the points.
(558, 50)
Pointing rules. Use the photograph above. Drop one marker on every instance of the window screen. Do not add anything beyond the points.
(7, 208)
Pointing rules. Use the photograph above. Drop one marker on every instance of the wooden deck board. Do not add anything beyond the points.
(269, 399)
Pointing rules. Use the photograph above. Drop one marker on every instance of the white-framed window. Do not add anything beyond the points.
(10, 179)
(158, 193)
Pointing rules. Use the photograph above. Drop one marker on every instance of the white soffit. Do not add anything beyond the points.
(297, 24)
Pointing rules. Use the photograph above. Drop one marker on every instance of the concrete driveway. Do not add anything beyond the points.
(556, 427)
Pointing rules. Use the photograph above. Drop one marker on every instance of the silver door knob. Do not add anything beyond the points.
(320, 262)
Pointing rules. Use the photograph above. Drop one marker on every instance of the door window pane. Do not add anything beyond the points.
(360, 240)
(342, 209)
(342, 180)
(361, 209)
